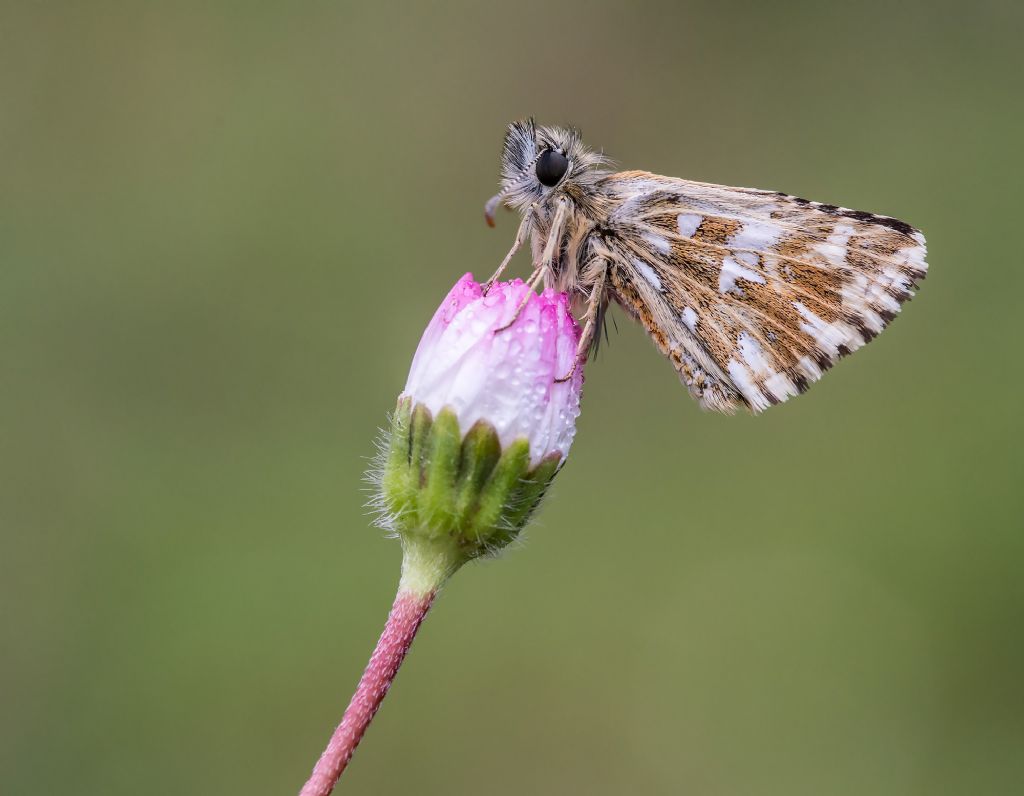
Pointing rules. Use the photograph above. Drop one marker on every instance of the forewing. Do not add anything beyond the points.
(754, 294)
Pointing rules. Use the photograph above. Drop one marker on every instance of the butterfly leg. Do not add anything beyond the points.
(544, 268)
(535, 279)
(524, 228)
(590, 323)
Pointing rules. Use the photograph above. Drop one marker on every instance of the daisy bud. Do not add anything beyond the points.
(482, 426)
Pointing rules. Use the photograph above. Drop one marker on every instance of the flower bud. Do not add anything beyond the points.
(482, 427)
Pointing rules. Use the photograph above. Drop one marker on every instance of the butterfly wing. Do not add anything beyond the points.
(753, 294)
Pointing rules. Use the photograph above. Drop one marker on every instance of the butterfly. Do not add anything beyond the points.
(752, 295)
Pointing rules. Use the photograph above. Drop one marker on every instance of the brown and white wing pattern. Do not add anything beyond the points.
(753, 294)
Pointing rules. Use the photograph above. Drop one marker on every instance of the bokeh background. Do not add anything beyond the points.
(223, 227)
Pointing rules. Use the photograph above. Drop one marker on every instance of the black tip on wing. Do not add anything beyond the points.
(857, 215)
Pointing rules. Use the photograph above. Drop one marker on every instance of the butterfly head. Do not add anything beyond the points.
(540, 164)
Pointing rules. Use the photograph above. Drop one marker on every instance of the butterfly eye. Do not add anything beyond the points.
(551, 167)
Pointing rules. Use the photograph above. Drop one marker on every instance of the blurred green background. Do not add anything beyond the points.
(222, 229)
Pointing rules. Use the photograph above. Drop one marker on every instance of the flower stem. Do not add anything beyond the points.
(426, 564)
(407, 613)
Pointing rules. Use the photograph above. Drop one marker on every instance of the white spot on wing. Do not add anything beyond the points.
(915, 257)
(648, 273)
(778, 384)
(834, 248)
(731, 271)
(829, 336)
(755, 235)
(781, 386)
(657, 242)
(750, 238)
(819, 330)
(810, 368)
(753, 354)
(688, 223)
(689, 317)
(745, 384)
(862, 295)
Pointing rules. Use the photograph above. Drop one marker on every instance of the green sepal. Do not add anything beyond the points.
(491, 520)
(463, 495)
(440, 469)
(480, 453)
(397, 481)
(530, 491)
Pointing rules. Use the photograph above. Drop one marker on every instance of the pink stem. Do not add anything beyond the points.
(406, 615)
